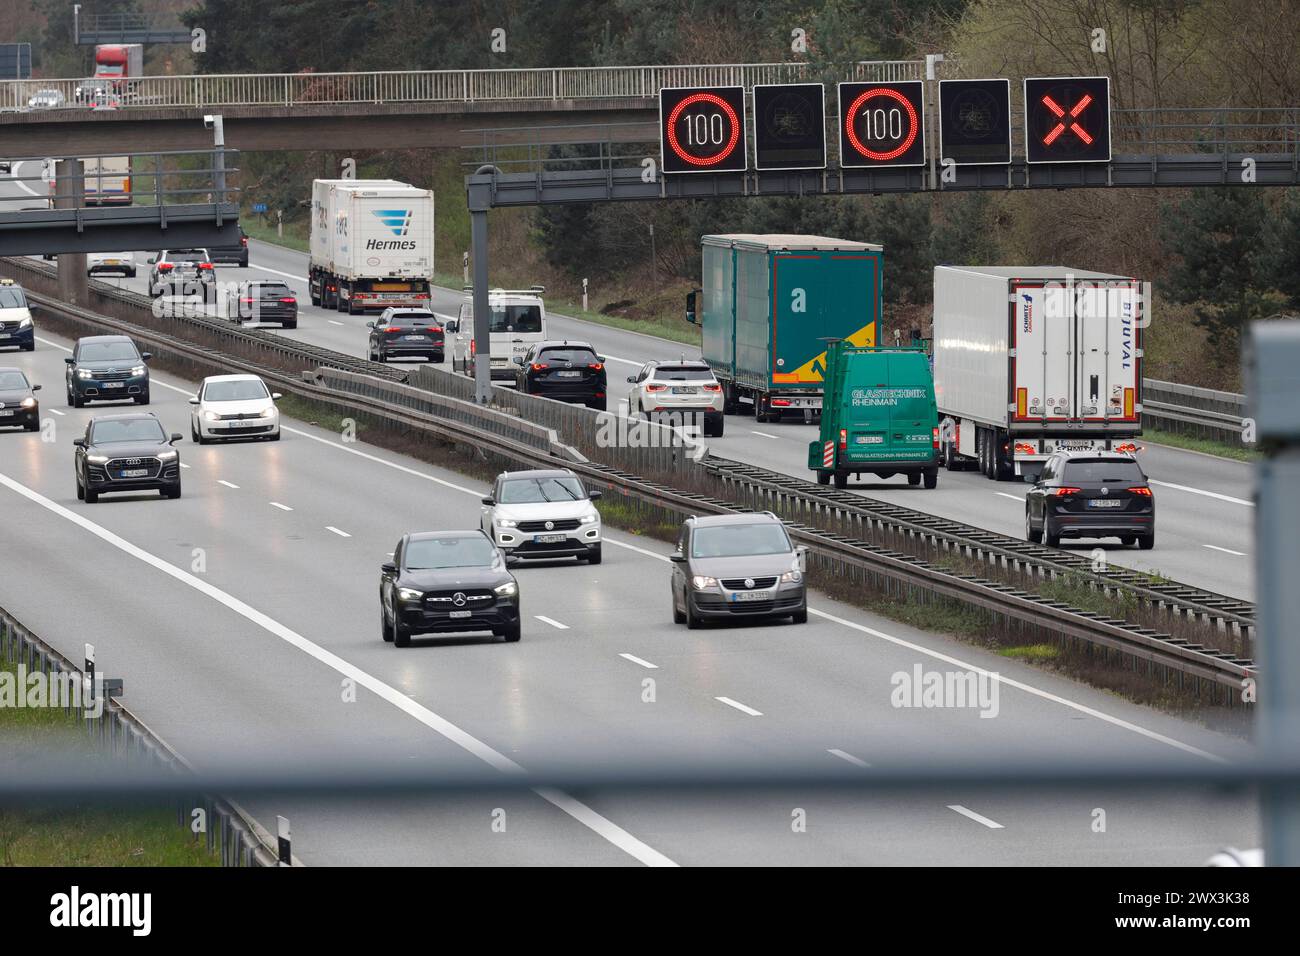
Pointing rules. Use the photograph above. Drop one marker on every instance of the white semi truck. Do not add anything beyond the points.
(1031, 360)
(371, 245)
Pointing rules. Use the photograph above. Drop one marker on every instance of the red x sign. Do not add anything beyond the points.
(1074, 127)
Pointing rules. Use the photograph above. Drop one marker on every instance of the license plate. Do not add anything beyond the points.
(6, 412)
(416, 338)
(547, 538)
(498, 362)
(4, 335)
(869, 439)
(1076, 445)
(114, 385)
(460, 614)
(1105, 503)
(686, 391)
(242, 425)
(742, 597)
(569, 374)
(112, 262)
(134, 472)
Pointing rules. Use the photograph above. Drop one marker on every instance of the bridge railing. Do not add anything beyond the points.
(426, 86)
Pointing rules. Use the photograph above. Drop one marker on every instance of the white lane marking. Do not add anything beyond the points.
(764, 434)
(739, 706)
(1215, 547)
(1005, 494)
(277, 272)
(1020, 685)
(856, 761)
(992, 825)
(334, 321)
(183, 465)
(1009, 682)
(228, 484)
(341, 534)
(438, 724)
(1200, 491)
(638, 660)
(57, 412)
(23, 186)
(553, 623)
(276, 504)
(56, 345)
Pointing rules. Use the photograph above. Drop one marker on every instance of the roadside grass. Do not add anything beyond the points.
(1032, 652)
(75, 832)
(293, 238)
(1204, 445)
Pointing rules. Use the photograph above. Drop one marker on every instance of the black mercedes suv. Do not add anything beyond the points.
(444, 582)
(130, 452)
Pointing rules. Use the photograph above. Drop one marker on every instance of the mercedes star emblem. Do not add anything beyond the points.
(458, 599)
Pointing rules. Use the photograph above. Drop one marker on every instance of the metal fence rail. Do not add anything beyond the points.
(447, 86)
(1188, 410)
(229, 831)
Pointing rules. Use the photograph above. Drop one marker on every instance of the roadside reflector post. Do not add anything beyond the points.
(282, 841)
(1273, 376)
(88, 682)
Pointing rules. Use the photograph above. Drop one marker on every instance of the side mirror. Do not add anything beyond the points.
(69, 361)
(631, 378)
(146, 355)
(36, 388)
(388, 567)
(79, 442)
(370, 325)
(151, 260)
(690, 307)
(176, 436)
(194, 400)
(594, 495)
(276, 396)
(488, 501)
(601, 359)
(677, 558)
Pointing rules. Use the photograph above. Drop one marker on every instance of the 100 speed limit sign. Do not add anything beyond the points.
(882, 124)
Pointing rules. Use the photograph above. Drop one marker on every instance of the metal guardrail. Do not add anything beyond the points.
(1188, 410)
(236, 838)
(446, 86)
(839, 537)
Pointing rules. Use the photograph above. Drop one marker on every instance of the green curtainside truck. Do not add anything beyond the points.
(767, 305)
(879, 416)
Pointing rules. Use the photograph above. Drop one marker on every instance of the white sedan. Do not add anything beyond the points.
(122, 263)
(234, 406)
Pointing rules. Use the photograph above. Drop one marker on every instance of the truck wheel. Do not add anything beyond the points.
(931, 477)
(760, 416)
(950, 457)
(914, 479)
(823, 477)
(841, 479)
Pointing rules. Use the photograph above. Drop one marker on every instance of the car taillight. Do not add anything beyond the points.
(247, 301)
(422, 295)
(844, 439)
(1023, 448)
(289, 300)
(205, 265)
(393, 328)
(538, 367)
(473, 347)
(1062, 492)
(713, 388)
(434, 328)
(597, 366)
(1144, 492)
(1127, 447)
(780, 403)
(935, 441)
(164, 267)
(655, 388)
(243, 240)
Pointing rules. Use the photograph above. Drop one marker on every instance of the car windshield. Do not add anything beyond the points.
(522, 491)
(12, 380)
(188, 255)
(11, 298)
(417, 320)
(1107, 472)
(736, 540)
(108, 352)
(132, 429)
(682, 373)
(428, 554)
(274, 290)
(573, 356)
(516, 318)
(241, 390)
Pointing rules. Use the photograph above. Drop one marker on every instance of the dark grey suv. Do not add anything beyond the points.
(737, 566)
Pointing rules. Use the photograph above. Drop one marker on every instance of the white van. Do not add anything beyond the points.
(517, 323)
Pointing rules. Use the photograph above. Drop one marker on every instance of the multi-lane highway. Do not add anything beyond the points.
(1204, 504)
(243, 615)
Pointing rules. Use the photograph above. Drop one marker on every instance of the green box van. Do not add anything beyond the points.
(879, 416)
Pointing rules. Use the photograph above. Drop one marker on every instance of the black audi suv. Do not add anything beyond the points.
(130, 452)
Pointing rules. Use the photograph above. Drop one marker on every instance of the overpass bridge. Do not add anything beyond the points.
(392, 110)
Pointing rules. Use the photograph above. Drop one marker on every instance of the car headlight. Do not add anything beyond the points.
(24, 322)
(209, 416)
(28, 403)
(409, 594)
(97, 459)
(702, 582)
(268, 412)
(791, 577)
(85, 373)
(138, 370)
(509, 589)
(505, 522)
(591, 517)
(167, 455)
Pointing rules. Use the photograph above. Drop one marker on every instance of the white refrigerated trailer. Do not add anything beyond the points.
(1029, 360)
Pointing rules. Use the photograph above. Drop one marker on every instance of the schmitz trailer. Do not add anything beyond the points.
(1030, 360)
(371, 245)
(769, 304)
